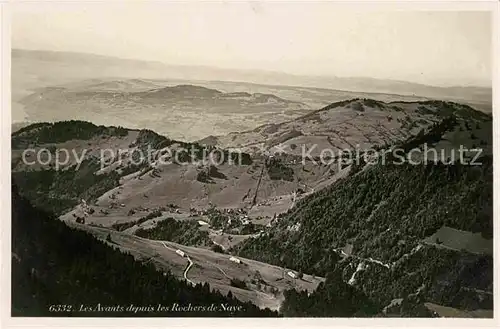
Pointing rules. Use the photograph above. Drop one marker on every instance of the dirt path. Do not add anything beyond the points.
(222, 271)
(254, 199)
(187, 270)
(191, 264)
(211, 267)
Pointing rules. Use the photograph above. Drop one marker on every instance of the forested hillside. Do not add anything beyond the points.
(44, 132)
(383, 212)
(371, 227)
(57, 270)
(332, 298)
(57, 190)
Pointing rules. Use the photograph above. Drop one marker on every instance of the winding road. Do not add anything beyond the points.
(189, 260)
(187, 270)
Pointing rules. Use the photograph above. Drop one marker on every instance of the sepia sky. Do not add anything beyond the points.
(437, 48)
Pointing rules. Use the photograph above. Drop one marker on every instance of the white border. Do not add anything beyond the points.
(5, 201)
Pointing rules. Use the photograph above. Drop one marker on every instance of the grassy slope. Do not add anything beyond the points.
(53, 264)
(59, 190)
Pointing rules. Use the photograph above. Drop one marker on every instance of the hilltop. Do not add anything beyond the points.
(363, 123)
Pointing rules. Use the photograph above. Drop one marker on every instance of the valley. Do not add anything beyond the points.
(278, 159)
(244, 226)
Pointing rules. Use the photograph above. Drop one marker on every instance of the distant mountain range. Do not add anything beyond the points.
(92, 66)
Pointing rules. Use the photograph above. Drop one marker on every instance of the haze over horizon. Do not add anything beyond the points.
(310, 39)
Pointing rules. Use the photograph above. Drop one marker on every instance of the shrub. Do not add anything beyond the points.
(239, 283)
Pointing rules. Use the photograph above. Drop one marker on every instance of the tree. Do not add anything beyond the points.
(217, 248)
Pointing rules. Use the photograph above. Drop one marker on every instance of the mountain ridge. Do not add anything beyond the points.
(259, 76)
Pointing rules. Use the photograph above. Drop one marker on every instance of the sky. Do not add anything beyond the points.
(303, 38)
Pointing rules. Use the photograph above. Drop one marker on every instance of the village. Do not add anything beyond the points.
(219, 221)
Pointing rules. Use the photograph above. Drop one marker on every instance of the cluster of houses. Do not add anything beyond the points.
(273, 220)
(290, 273)
(284, 157)
(232, 258)
(195, 212)
(243, 220)
(86, 209)
(238, 215)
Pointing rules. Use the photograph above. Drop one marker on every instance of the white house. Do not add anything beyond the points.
(292, 274)
(202, 223)
(180, 252)
(234, 259)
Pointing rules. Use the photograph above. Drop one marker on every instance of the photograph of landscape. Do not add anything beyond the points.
(250, 159)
